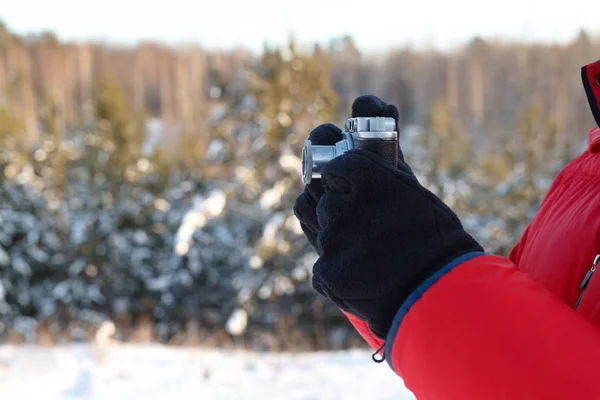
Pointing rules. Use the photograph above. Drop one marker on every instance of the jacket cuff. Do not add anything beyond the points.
(416, 295)
(364, 331)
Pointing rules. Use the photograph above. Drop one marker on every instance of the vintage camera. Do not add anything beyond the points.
(375, 134)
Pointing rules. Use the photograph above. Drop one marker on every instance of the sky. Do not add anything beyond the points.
(374, 25)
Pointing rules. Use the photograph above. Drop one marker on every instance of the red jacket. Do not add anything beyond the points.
(490, 327)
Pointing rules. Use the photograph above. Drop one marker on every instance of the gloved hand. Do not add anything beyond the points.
(329, 134)
(381, 234)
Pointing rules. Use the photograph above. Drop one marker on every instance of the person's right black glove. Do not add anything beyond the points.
(381, 235)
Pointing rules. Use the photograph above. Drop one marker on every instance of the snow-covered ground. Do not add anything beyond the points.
(147, 372)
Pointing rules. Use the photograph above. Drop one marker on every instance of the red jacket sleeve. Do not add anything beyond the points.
(365, 332)
(480, 329)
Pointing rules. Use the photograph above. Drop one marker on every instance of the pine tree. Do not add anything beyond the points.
(117, 131)
(445, 144)
(289, 95)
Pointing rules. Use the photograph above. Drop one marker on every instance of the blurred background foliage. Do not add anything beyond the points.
(152, 186)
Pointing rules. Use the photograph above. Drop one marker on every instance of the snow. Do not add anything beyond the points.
(155, 132)
(271, 198)
(237, 322)
(197, 217)
(148, 372)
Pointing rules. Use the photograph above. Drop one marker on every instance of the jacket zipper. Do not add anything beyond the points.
(586, 280)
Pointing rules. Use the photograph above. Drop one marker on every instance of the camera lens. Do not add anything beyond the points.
(307, 162)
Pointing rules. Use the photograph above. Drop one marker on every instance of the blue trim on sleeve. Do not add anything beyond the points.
(416, 295)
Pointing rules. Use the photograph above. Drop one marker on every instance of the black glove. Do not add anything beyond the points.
(329, 134)
(381, 234)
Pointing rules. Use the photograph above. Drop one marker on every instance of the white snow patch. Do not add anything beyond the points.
(271, 198)
(149, 372)
(105, 333)
(197, 217)
(215, 203)
(215, 149)
(256, 262)
(290, 163)
(237, 322)
(155, 131)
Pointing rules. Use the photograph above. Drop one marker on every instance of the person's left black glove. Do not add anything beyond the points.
(305, 207)
(328, 134)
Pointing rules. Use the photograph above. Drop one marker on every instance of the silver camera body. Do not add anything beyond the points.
(375, 134)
